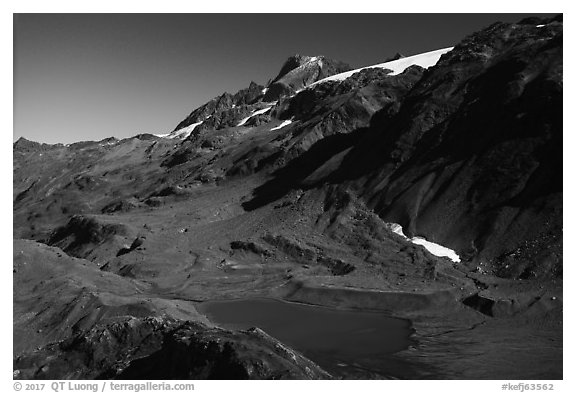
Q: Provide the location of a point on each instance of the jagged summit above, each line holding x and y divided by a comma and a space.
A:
300, 71
297, 72
294, 62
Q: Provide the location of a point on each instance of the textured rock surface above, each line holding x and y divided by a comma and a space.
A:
300, 71
159, 348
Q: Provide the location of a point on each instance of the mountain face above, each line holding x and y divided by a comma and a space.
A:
299, 190
296, 73
472, 159
299, 71
219, 106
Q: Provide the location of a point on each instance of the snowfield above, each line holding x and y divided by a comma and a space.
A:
434, 248
424, 60
182, 133
283, 124
258, 112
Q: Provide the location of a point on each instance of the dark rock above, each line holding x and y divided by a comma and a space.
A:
158, 348
397, 56
250, 247
249, 95
137, 242
120, 206
81, 233
146, 137
480, 304
169, 191
291, 248
223, 102
182, 155
154, 201
337, 267
257, 120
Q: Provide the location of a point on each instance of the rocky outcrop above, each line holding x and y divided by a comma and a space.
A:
123, 205
163, 348
222, 119
300, 71
220, 103
81, 234
239, 245
397, 56
224, 110
257, 120
249, 95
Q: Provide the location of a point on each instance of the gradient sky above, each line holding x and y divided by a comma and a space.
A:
91, 76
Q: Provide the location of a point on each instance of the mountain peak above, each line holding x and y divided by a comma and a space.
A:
21, 140
299, 71
397, 56
25, 144
294, 62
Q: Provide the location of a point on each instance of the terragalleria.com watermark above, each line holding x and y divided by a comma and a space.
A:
105, 386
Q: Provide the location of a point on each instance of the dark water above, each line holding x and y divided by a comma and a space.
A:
343, 342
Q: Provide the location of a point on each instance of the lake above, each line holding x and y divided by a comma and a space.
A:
344, 342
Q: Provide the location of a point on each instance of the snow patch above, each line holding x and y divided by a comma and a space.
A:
182, 133
424, 60
433, 248
397, 228
258, 112
282, 125
436, 249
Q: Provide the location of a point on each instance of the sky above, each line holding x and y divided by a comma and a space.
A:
92, 76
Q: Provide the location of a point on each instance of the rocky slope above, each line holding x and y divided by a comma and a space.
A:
295, 190
472, 157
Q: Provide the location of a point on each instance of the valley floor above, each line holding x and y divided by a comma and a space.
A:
468, 325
